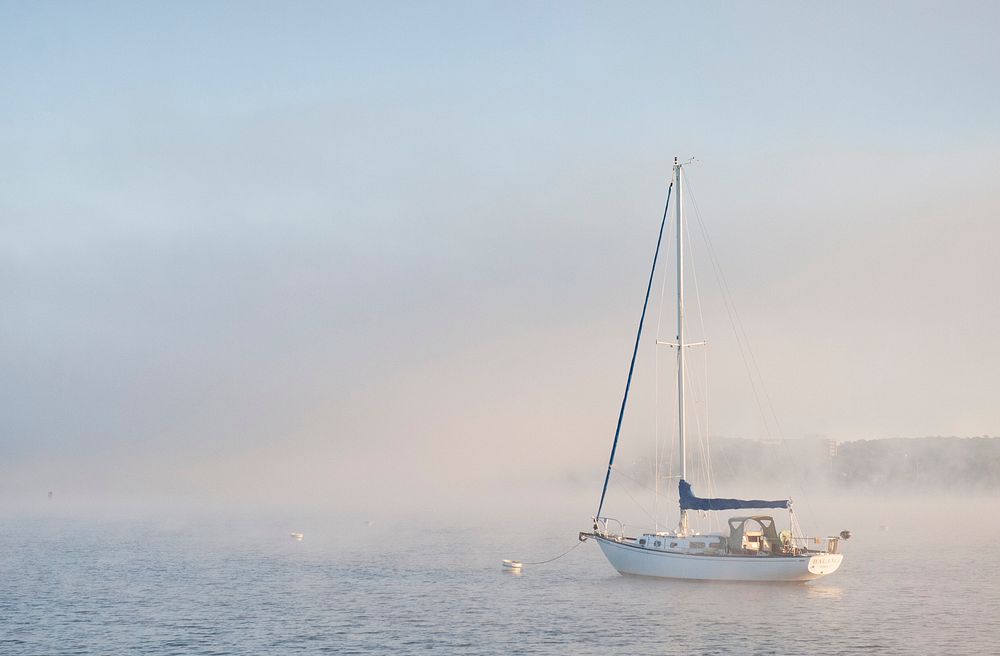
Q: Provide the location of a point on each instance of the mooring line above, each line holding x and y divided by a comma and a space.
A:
542, 562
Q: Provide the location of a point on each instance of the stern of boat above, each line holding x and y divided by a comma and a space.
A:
823, 564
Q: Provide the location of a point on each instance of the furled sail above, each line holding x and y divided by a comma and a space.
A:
690, 502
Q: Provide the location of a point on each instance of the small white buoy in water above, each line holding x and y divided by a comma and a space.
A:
512, 564
298, 536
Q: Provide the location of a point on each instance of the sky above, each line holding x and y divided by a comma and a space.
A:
373, 253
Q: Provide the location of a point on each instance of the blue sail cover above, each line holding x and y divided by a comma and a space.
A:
690, 502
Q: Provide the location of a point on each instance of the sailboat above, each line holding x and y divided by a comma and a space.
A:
753, 549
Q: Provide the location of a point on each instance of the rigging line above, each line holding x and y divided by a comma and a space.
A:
702, 426
706, 441
696, 392
671, 444
742, 341
729, 301
634, 500
708, 418
635, 351
739, 320
637, 482
656, 433
674, 437
656, 390
700, 396
706, 467
702, 438
542, 562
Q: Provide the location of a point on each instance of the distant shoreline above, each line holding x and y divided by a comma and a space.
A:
953, 463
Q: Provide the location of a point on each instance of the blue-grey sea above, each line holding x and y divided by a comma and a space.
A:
79, 585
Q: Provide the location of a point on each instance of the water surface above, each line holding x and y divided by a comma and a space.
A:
76, 586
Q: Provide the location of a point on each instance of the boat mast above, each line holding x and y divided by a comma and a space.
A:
682, 527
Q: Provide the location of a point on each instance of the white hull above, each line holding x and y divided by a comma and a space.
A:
639, 561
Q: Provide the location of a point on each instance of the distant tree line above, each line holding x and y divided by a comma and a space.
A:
940, 463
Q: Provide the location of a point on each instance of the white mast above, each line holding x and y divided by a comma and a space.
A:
682, 527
